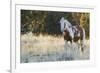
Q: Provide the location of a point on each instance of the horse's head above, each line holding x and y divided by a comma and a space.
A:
64, 24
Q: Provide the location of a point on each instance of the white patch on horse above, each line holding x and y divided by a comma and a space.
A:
76, 30
78, 34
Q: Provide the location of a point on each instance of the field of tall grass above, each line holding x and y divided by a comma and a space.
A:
44, 48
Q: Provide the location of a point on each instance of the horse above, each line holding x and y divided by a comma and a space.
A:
72, 33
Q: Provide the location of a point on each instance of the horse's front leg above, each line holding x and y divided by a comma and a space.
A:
82, 47
72, 42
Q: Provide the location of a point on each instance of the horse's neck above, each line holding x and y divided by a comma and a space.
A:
68, 23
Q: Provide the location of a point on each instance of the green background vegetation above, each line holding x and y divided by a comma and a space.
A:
47, 22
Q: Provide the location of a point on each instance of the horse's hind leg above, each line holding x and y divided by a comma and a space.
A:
83, 40
82, 45
82, 48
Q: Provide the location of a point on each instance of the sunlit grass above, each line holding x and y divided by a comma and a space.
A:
48, 48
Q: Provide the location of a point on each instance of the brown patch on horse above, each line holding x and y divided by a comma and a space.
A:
79, 28
76, 38
67, 36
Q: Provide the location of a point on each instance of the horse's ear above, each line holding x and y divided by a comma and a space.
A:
62, 18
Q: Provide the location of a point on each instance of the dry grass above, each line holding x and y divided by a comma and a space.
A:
49, 48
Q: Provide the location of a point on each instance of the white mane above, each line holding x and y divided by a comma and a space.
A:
65, 24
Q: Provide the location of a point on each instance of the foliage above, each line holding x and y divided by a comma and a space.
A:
47, 22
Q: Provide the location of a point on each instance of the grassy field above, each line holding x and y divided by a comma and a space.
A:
44, 48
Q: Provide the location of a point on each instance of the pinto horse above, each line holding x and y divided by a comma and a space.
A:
72, 33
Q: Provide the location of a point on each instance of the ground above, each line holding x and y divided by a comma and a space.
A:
44, 48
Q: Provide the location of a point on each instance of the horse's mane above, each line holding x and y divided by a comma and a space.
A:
65, 22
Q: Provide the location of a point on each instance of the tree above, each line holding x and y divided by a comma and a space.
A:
47, 22
84, 22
